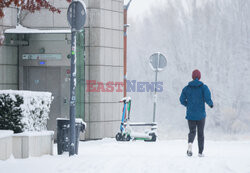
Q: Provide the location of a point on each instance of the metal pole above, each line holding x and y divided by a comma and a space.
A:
155, 95
18, 20
73, 83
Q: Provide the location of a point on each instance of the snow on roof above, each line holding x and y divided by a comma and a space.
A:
23, 30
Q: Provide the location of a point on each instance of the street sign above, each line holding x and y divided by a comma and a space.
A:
41, 56
158, 61
80, 14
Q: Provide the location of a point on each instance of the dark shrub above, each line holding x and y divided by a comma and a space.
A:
11, 113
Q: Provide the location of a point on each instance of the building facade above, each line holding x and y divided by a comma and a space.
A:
103, 45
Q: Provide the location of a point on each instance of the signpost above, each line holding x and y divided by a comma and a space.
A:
76, 16
157, 62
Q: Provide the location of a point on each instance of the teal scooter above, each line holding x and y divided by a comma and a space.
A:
126, 131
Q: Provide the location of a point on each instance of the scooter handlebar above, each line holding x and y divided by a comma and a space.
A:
127, 99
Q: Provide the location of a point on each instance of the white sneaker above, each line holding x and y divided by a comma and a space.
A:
189, 151
201, 155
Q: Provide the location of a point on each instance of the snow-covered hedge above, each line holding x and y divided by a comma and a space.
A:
35, 108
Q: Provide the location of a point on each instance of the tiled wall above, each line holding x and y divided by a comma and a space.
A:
8, 54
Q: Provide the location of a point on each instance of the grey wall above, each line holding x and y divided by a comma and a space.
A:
8, 54
104, 58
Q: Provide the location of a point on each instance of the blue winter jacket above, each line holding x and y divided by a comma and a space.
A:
193, 97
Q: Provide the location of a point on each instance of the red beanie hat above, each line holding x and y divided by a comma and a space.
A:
196, 74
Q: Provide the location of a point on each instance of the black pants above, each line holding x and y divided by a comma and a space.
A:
192, 132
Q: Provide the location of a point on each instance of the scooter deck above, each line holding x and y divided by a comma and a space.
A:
141, 124
138, 135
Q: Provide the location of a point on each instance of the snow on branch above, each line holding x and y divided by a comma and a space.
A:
30, 5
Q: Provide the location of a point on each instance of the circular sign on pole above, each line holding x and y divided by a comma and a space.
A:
80, 11
157, 61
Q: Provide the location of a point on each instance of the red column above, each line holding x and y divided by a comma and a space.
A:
125, 53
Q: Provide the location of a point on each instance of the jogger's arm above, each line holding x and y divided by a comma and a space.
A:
183, 97
207, 96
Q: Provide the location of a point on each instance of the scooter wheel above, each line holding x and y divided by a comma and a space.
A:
128, 138
153, 139
118, 137
123, 137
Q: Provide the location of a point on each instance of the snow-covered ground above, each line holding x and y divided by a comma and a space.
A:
137, 156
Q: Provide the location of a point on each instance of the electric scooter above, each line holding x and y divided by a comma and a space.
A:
126, 132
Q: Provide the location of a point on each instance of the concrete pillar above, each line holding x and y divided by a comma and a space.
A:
104, 49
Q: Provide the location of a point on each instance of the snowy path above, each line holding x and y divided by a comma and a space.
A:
163, 156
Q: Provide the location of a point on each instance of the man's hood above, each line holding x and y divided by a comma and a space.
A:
195, 83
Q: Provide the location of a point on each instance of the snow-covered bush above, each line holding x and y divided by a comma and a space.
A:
34, 109
11, 113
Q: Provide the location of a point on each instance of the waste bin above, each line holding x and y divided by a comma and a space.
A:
63, 134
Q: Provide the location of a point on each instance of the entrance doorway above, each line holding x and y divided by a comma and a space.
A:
47, 79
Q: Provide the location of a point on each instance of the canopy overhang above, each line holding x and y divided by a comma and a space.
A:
23, 30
